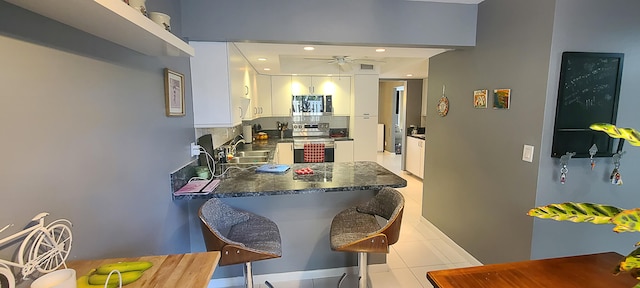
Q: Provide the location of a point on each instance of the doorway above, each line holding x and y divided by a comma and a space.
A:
397, 119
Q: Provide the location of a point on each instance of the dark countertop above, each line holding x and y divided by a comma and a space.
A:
419, 136
327, 177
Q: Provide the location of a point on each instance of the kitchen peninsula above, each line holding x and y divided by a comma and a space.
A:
303, 207
327, 177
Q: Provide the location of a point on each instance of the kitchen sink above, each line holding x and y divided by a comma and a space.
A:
254, 153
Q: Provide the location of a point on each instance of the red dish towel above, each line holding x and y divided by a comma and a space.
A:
313, 153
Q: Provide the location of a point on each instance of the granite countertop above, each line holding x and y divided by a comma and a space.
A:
419, 136
327, 177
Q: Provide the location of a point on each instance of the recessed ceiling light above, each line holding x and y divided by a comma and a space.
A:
262, 59
381, 50
409, 75
309, 48
267, 69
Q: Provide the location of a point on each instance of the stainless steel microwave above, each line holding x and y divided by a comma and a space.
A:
312, 105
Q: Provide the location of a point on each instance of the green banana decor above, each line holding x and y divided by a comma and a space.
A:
97, 278
624, 220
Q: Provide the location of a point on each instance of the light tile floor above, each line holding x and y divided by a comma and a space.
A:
421, 248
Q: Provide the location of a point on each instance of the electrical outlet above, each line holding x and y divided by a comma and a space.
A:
527, 153
195, 149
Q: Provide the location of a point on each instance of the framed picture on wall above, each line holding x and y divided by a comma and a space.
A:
174, 93
480, 98
501, 98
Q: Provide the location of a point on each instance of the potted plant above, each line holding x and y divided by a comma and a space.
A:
625, 220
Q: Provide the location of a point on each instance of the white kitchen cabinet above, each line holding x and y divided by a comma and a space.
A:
263, 99
250, 85
340, 92
281, 95
307, 85
218, 86
365, 100
343, 151
364, 133
284, 153
364, 123
414, 161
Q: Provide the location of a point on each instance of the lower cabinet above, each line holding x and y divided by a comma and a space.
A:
414, 161
284, 153
343, 151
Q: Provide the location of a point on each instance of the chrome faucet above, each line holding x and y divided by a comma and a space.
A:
235, 143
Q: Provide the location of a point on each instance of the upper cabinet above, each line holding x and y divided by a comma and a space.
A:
114, 21
220, 91
262, 106
281, 95
283, 87
365, 96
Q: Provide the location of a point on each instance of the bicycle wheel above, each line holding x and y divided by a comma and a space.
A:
7, 280
52, 247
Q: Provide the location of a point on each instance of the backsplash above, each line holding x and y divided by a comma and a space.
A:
220, 136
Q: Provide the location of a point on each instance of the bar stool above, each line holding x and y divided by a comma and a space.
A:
240, 236
356, 229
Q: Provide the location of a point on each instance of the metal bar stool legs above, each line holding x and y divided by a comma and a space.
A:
356, 229
248, 275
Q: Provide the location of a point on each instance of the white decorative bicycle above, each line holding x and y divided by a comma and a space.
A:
44, 249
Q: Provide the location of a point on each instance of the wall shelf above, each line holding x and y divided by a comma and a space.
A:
114, 21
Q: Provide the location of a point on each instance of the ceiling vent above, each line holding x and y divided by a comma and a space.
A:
366, 66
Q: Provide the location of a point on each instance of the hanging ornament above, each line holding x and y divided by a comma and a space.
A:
592, 152
443, 104
564, 160
616, 177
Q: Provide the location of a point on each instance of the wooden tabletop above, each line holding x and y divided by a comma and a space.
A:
170, 271
593, 271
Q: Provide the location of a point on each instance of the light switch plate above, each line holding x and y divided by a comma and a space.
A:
527, 153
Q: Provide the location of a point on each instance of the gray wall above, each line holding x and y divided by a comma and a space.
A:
85, 137
590, 26
331, 21
477, 189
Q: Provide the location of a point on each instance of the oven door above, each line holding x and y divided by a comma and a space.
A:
298, 155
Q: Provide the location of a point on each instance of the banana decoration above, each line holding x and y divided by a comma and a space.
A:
124, 267
127, 277
83, 282
130, 272
629, 134
576, 212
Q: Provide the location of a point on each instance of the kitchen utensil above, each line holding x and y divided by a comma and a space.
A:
161, 19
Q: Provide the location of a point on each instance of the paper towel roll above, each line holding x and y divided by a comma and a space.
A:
247, 133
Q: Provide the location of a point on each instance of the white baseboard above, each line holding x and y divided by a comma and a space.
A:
468, 257
295, 276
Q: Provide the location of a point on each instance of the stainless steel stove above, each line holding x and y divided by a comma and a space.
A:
311, 133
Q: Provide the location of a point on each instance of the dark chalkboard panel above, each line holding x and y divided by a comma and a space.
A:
588, 93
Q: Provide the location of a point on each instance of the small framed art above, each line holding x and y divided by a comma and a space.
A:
480, 98
174, 93
501, 98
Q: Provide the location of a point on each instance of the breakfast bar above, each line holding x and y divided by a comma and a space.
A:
302, 206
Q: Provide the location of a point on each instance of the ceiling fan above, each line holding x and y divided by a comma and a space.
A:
344, 62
